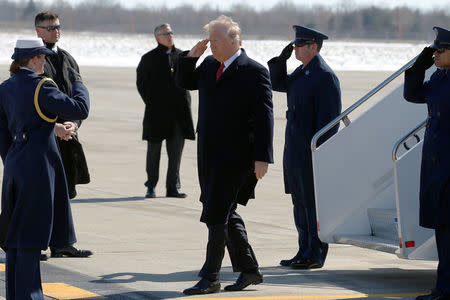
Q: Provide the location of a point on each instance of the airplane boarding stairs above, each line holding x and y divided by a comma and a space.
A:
367, 177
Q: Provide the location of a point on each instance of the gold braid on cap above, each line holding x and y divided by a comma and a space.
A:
36, 100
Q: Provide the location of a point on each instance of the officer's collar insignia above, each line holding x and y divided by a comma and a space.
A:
307, 72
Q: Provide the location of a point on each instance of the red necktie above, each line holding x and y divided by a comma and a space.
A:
220, 71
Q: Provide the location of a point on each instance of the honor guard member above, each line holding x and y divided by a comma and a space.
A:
313, 100
435, 169
33, 175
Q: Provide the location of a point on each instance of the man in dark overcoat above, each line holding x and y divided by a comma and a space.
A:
235, 134
435, 170
167, 111
313, 100
57, 67
48, 28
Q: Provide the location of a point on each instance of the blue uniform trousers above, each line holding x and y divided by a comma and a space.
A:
23, 274
234, 236
306, 223
443, 247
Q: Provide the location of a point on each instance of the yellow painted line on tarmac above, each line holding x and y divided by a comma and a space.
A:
2, 267
65, 291
351, 296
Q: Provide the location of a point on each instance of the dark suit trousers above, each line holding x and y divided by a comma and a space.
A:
306, 223
174, 146
23, 274
443, 248
234, 236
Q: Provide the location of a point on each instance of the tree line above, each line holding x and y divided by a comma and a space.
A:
344, 21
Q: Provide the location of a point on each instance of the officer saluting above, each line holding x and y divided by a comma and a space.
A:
435, 170
313, 99
33, 172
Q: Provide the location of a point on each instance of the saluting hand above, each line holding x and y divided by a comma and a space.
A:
199, 48
287, 52
261, 169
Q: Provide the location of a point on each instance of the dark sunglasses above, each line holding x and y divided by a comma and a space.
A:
51, 28
166, 33
442, 50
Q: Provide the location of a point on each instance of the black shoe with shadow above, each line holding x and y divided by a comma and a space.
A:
175, 194
288, 262
204, 286
69, 251
244, 280
150, 193
43, 257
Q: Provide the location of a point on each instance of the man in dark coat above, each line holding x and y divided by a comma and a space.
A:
314, 99
235, 134
56, 67
435, 169
49, 29
167, 111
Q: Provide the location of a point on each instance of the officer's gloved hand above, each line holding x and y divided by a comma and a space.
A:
74, 75
424, 60
287, 52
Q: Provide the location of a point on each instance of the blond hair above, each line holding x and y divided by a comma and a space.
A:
232, 28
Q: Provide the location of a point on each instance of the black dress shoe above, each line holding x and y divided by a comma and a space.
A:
204, 286
175, 194
244, 280
43, 257
150, 193
69, 251
288, 262
306, 264
435, 295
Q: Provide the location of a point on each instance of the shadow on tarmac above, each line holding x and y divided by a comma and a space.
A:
374, 280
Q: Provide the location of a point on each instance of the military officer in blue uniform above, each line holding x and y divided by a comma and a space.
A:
313, 100
33, 172
435, 169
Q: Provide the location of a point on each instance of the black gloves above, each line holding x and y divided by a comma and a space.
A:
424, 60
286, 53
74, 75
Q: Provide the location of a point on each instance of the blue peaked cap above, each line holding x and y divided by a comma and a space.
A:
442, 39
303, 34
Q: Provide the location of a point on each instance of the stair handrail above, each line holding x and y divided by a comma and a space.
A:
344, 116
406, 137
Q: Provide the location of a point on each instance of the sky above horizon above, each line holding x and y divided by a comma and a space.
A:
266, 4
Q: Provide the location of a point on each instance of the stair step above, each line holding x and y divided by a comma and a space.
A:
383, 223
369, 242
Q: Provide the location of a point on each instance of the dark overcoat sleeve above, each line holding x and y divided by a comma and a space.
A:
278, 74
5, 135
188, 75
262, 108
328, 105
143, 77
56, 103
414, 89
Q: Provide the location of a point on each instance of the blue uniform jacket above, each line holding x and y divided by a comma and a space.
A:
235, 128
313, 100
33, 173
435, 169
